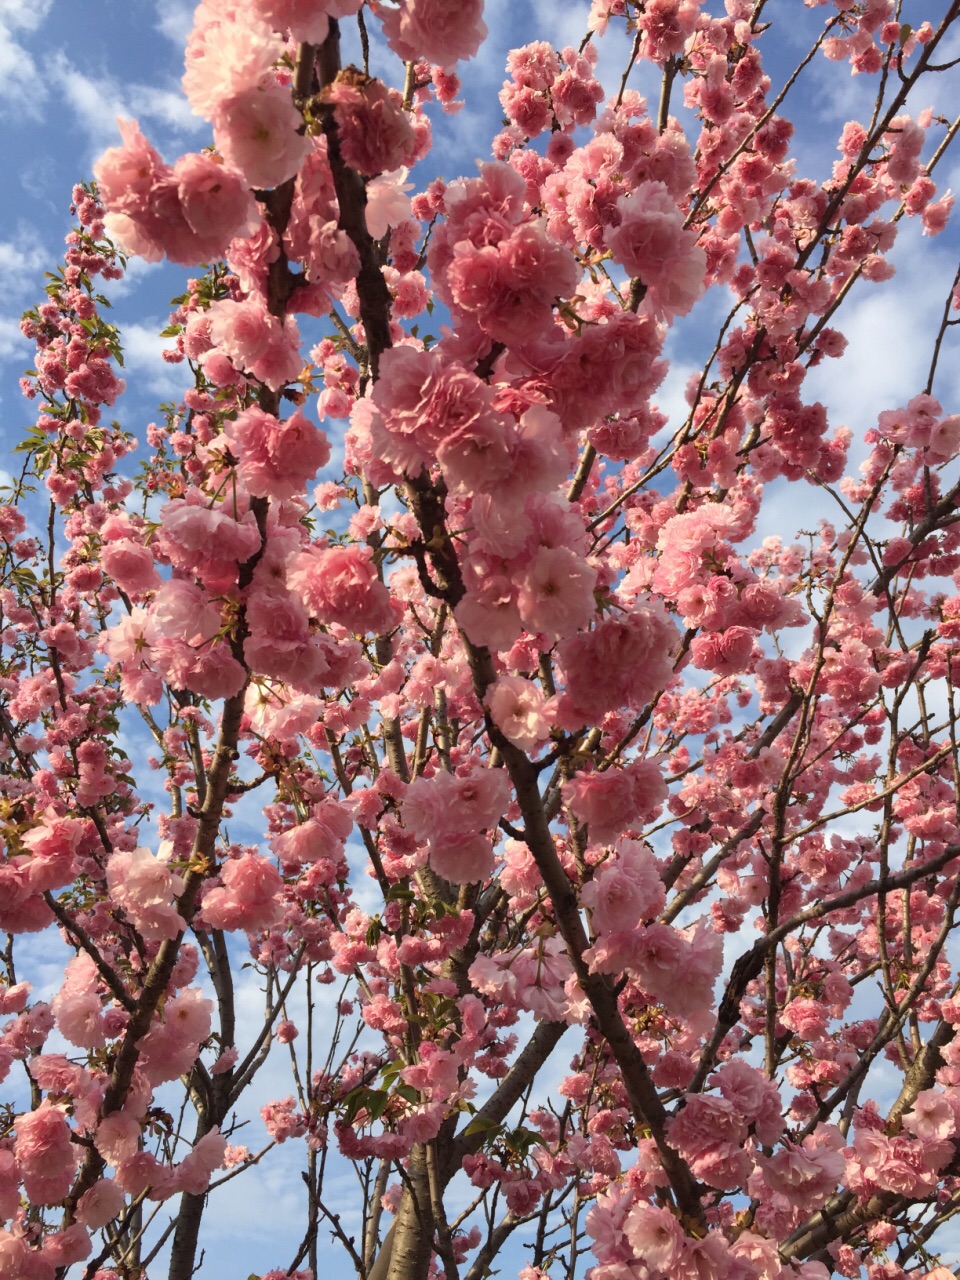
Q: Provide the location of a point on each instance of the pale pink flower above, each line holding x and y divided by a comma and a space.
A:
945, 439
488, 613
611, 801
556, 593
228, 51
144, 887
652, 245
726, 652
195, 1170
16, 1257
707, 1258
283, 1120
77, 1006
932, 1116
216, 205
375, 133
806, 1175
806, 1016
463, 859
117, 1137
183, 611
441, 31
276, 459
45, 1154
191, 533
387, 202
754, 1095
517, 707
255, 341
250, 895
130, 565
655, 1236
626, 890
100, 1204
340, 584
624, 661
126, 175
306, 20
477, 458
443, 805
259, 133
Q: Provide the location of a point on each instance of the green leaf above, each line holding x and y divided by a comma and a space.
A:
481, 1124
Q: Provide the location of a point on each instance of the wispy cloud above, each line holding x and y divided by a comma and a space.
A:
22, 260
144, 363
21, 86
97, 102
175, 20
13, 345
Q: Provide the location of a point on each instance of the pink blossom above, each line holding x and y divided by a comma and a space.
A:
726, 652
259, 133
276, 459
388, 205
192, 535
100, 1204
306, 20
144, 887
434, 808
808, 1174
614, 800
215, 203
130, 565
340, 584
170, 1047
755, 1096
556, 593
127, 174
442, 31
651, 243
282, 1120
255, 341
709, 1132
374, 131
624, 661
932, 1117
207, 1156
463, 859
655, 1236
250, 895
517, 708
229, 51
626, 890
806, 1016
45, 1154
77, 1007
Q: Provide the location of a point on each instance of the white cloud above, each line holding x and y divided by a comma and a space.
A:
13, 345
560, 24
21, 85
143, 361
23, 258
98, 102
20, 82
175, 20
24, 15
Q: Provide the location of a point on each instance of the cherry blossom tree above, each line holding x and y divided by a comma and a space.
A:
593, 853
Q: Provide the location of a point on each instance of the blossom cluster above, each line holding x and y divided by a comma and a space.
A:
485, 707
